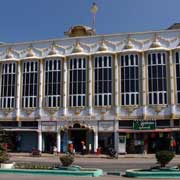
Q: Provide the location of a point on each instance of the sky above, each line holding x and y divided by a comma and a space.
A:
28, 20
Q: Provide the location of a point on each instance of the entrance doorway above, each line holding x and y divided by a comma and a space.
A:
49, 141
76, 136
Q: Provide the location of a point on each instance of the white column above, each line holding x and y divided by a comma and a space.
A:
172, 90
144, 95
172, 83
58, 142
116, 96
65, 86
40, 141
90, 75
40, 87
18, 98
95, 140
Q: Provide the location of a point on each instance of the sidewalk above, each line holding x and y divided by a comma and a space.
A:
91, 155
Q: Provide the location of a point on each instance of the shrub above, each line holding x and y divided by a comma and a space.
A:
66, 160
4, 157
164, 157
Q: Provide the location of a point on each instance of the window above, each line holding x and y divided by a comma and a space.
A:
157, 78
30, 84
177, 61
129, 79
8, 85
52, 83
77, 82
103, 80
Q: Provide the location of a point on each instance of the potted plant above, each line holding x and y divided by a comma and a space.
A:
4, 156
164, 157
66, 160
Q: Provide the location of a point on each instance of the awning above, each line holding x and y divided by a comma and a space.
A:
21, 129
144, 131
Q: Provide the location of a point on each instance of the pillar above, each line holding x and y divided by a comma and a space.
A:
65, 86
41, 86
40, 141
95, 140
116, 98
18, 98
171, 82
144, 79
90, 75
116, 136
58, 141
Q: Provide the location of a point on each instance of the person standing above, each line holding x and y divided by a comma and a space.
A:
83, 148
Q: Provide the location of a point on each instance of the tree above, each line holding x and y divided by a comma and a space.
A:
164, 157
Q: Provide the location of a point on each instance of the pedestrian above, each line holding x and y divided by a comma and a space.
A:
83, 148
172, 144
55, 150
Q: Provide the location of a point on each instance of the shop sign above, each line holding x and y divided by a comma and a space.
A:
144, 125
49, 126
106, 126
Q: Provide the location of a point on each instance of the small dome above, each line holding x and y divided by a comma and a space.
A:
155, 43
80, 30
77, 48
52, 51
30, 52
129, 44
102, 47
9, 54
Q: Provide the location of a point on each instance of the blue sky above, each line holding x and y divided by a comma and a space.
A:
26, 20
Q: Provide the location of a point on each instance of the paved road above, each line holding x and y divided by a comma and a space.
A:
112, 165
120, 164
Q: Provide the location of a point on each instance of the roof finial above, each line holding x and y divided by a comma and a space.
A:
94, 9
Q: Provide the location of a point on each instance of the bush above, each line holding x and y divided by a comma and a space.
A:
164, 157
4, 157
66, 160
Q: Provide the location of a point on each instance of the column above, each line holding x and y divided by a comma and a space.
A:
116, 136
41, 87
18, 98
40, 141
90, 87
65, 86
116, 96
143, 95
95, 140
171, 81
58, 141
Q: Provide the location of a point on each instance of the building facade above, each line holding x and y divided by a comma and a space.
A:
119, 90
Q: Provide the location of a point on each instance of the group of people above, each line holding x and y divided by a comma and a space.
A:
83, 148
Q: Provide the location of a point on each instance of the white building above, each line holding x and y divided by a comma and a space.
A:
120, 90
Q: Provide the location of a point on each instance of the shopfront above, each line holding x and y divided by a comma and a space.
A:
105, 135
148, 136
49, 136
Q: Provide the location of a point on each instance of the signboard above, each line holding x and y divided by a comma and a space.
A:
48, 126
107, 126
144, 125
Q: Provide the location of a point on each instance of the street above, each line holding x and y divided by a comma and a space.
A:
108, 165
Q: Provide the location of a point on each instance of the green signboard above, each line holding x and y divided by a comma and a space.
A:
144, 125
